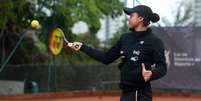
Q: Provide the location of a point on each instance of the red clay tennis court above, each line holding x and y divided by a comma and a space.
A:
94, 96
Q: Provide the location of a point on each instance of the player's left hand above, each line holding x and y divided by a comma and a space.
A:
146, 73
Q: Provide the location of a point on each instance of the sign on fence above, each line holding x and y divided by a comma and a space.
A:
183, 58
11, 87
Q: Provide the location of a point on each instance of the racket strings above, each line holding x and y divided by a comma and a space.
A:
56, 41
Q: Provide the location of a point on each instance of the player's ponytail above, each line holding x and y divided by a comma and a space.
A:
155, 17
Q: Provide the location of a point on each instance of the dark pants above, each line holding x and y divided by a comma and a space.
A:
137, 95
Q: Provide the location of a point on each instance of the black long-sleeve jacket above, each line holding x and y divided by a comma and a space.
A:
134, 48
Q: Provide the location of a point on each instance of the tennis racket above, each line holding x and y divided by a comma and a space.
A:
57, 40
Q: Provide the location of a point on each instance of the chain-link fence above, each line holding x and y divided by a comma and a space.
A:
56, 78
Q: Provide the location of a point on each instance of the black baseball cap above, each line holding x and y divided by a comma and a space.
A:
144, 11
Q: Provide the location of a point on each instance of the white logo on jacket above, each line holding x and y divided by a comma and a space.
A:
122, 52
135, 58
141, 42
136, 54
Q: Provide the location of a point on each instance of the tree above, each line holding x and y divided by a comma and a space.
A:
12, 23
183, 16
16, 16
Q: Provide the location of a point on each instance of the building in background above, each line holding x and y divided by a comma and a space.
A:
197, 12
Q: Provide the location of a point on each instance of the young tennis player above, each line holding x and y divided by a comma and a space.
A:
142, 55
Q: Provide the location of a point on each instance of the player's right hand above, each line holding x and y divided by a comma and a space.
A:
75, 45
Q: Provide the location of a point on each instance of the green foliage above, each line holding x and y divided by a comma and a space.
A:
16, 15
11, 26
15, 18
110, 7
